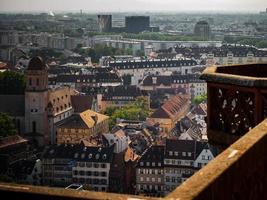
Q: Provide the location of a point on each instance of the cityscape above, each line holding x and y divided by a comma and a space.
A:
136, 103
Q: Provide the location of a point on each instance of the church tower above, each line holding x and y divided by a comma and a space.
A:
36, 100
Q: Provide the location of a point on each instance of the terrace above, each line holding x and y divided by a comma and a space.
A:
237, 107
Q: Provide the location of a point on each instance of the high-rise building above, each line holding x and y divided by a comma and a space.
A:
136, 24
202, 30
105, 23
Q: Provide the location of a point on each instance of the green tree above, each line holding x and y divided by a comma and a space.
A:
138, 110
198, 99
12, 83
7, 127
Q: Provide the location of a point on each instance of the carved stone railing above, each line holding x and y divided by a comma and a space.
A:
237, 101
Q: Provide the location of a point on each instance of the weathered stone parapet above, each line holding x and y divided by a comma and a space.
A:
239, 172
237, 101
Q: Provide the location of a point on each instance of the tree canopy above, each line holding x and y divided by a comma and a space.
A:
102, 50
12, 83
138, 110
7, 127
198, 99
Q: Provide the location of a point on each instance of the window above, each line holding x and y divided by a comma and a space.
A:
141, 164
37, 81
34, 126
170, 153
203, 157
153, 179
96, 165
88, 164
82, 164
81, 180
89, 173
30, 81
81, 173
103, 174
96, 173
103, 165
167, 179
141, 179
183, 153
147, 178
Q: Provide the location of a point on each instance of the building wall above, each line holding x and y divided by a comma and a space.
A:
96, 175
150, 180
166, 125
75, 135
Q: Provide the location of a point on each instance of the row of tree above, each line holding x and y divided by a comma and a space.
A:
139, 110
102, 50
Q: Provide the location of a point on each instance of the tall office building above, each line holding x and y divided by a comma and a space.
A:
202, 30
137, 24
105, 23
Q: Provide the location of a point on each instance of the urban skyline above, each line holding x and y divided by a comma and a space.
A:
133, 6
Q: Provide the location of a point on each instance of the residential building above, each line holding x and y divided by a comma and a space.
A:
12, 149
180, 84
81, 126
182, 159
26, 171
66, 164
138, 69
169, 113
150, 172
119, 139
93, 165
119, 96
81, 103
225, 54
86, 80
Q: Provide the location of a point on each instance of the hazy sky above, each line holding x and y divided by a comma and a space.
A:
134, 5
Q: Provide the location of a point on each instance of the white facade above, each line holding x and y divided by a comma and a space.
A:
198, 88
139, 73
36, 174
96, 175
121, 143
203, 158
231, 59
